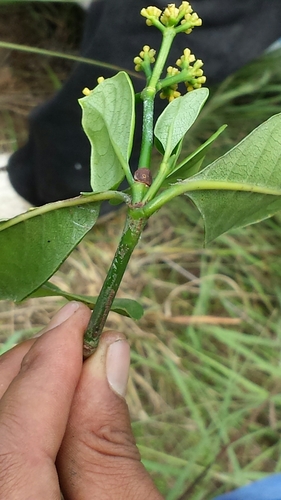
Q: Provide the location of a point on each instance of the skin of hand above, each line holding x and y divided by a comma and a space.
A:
64, 424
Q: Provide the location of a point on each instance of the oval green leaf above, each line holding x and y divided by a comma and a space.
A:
34, 245
109, 120
178, 117
243, 186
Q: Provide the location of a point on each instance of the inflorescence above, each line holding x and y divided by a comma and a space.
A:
188, 70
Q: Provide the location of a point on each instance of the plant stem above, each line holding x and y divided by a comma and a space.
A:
193, 185
157, 183
129, 239
147, 127
148, 96
135, 219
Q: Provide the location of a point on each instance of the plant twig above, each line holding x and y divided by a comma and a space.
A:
130, 237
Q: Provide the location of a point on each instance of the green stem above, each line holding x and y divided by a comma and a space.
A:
202, 185
147, 127
130, 237
84, 199
168, 37
148, 96
157, 183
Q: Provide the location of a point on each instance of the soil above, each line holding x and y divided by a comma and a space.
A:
28, 79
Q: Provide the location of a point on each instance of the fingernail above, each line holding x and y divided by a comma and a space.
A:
62, 315
118, 365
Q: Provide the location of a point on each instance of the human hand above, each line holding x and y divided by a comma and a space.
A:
65, 425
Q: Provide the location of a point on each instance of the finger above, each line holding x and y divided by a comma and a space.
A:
35, 408
10, 364
98, 458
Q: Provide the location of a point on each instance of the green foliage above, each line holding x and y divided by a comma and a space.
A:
35, 244
243, 186
178, 117
192, 163
108, 120
125, 307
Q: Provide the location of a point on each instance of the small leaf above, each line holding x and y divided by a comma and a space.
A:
125, 307
192, 163
243, 186
178, 117
109, 120
34, 244
128, 307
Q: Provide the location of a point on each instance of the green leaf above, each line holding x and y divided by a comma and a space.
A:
178, 117
192, 163
109, 120
34, 244
243, 186
125, 307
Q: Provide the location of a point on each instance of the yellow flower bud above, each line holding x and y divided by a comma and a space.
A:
170, 15
185, 7
86, 91
150, 13
171, 71
198, 64
201, 79
145, 56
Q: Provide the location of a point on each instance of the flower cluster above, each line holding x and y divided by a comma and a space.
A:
196, 77
145, 58
190, 73
182, 18
171, 91
151, 13
186, 59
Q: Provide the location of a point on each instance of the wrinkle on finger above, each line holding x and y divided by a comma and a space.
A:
10, 364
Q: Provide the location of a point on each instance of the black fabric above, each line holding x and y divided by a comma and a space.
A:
54, 164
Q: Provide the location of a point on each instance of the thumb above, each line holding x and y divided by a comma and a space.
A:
98, 458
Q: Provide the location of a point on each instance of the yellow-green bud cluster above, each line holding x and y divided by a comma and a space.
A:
185, 59
171, 92
196, 78
146, 56
173, 16
151, 13
170, 16
190, 21
191, 75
